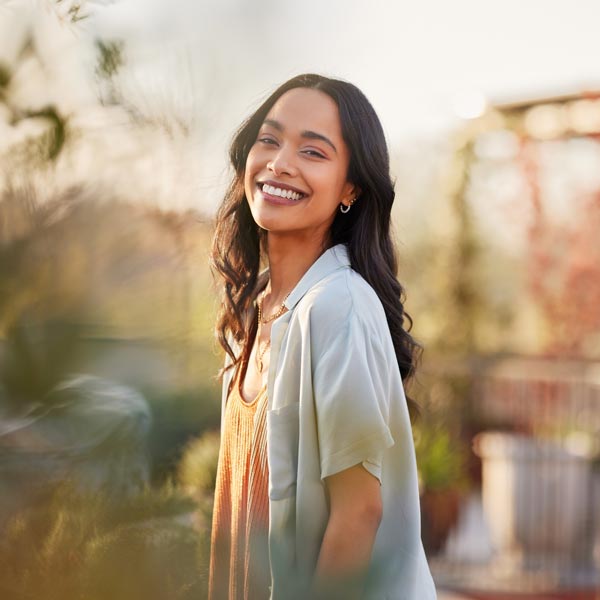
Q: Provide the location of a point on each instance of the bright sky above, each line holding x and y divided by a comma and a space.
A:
411, 58
211, 62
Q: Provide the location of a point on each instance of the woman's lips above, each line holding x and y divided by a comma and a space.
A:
278, 199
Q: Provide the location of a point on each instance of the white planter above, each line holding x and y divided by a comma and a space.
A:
537, 498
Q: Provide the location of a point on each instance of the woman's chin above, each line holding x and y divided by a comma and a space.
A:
266, 218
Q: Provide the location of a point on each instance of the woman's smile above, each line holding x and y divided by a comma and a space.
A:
279, 193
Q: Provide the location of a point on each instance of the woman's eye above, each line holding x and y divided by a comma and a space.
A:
314, 153
267, 140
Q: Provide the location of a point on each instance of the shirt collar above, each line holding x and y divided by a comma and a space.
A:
331, 260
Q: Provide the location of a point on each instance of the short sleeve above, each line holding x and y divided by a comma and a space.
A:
351, 397
373, 465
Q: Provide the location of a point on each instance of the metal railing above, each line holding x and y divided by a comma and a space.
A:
532, 526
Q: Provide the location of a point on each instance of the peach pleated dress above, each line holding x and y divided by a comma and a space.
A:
239, 559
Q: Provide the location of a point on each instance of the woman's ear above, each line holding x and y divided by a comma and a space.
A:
351, 193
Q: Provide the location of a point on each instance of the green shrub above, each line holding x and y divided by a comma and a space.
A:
88, 546
441, 459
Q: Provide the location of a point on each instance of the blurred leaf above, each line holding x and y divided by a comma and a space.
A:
4, 75
441, 459
110, 57
37, 355
197, 469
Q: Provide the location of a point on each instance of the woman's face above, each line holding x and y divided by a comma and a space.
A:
295, 175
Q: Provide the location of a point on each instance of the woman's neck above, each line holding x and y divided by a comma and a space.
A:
288, 261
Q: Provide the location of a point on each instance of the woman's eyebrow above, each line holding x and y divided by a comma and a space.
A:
311, 135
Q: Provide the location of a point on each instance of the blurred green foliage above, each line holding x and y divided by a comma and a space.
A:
441, 457
4, 75
81, 279
197, 470
196, 474
110, 57
76, 546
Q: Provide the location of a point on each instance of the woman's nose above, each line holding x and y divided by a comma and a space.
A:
282, 162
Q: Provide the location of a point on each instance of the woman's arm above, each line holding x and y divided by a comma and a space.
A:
355, 514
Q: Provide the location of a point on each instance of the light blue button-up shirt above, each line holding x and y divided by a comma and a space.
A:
335, 399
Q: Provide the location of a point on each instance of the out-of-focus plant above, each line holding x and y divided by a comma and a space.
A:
90, 546
77, 266
558, 257
442, 466
70, 10
441, 458
442, 452
45, 120
46, 123
196, 474
60, 261
564, 271
37, 356
92, 259
197, 470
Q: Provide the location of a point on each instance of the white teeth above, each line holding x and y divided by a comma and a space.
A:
274, 191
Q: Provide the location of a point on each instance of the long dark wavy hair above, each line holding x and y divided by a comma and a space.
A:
238, 243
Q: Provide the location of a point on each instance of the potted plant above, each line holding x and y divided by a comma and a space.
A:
441, 462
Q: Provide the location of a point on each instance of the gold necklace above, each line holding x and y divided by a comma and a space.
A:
260, 353
279, 312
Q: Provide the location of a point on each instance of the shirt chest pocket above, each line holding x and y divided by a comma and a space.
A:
282, 450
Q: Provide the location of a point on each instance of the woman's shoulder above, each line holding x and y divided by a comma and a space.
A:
340, 297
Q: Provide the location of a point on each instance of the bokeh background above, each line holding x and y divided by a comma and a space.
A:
115, 117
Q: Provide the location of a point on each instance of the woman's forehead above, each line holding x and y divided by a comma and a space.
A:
302, 109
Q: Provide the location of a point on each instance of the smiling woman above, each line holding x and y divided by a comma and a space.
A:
316, 493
